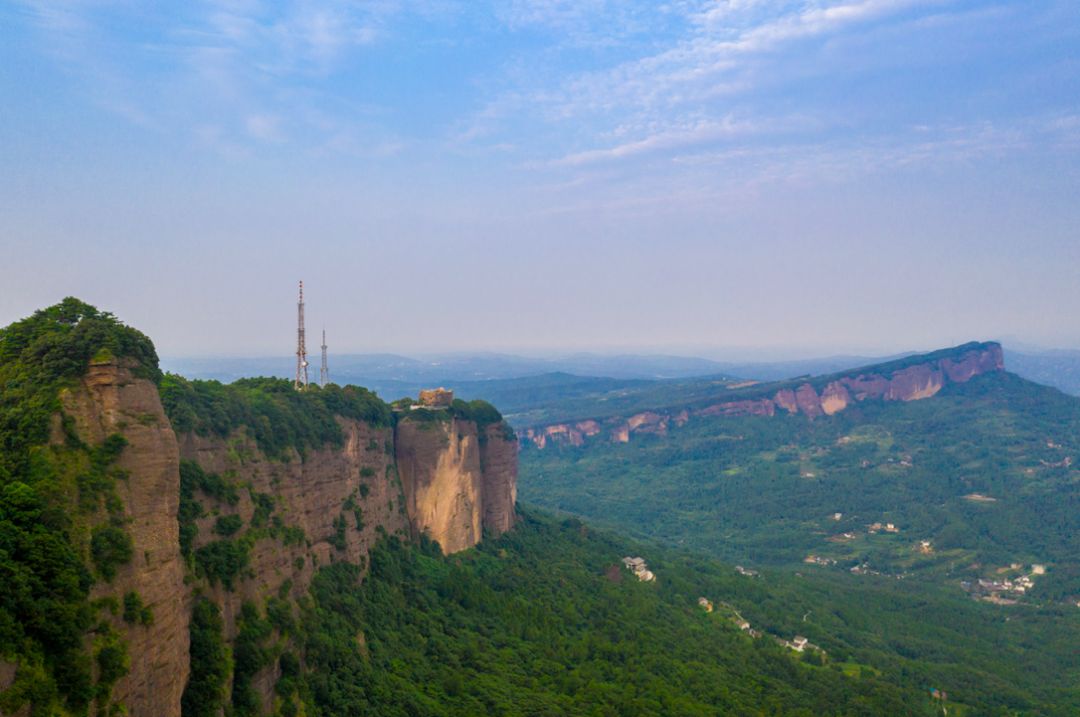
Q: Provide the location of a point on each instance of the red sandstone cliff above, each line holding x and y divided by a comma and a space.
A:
309, 493
457, 483
107, 401
908, 380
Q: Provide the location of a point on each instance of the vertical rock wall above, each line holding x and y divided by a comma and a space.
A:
110, 400
309, 493
499, 463
456, 484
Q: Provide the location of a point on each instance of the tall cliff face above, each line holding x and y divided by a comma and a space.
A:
108, 401
353, 485
458, 481
908, 380
440, 478
499, 463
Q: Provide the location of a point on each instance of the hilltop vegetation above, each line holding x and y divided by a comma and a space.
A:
61, 525
274, 413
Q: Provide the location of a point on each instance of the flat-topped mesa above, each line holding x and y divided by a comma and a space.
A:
909, 379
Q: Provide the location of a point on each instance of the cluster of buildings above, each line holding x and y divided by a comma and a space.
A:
1004, 591
881, 528
746, 571
638, 567
818, 560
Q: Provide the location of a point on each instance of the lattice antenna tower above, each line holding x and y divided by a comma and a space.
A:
301, 348
324, 372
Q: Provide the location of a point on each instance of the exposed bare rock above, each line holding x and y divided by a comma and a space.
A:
110, 400
762, 407
308, 493
440, 470
915, 383
499, 463
973, 363
864, 387
911, 382
566, 433
785, 399
808, 401
456, 484
835, 398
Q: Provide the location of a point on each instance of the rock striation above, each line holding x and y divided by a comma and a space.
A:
458, 481
910, 379
309, 493
107, 401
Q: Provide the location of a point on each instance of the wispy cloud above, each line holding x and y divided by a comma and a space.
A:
226, 73
672, 138
712, 59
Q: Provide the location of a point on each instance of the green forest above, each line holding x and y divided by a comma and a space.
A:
546, 621
984, 472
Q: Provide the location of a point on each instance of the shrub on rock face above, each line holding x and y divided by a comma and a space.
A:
45, 576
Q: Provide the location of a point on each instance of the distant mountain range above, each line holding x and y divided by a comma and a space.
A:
519, 383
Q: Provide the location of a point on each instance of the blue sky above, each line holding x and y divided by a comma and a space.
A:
820, 176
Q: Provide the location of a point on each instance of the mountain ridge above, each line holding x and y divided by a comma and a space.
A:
908, 378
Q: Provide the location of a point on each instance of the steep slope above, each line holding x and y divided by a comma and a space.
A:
266, 510
110, 401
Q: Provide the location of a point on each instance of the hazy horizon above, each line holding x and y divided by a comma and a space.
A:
837, 176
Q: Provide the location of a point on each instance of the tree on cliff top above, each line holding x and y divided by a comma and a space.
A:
44, 578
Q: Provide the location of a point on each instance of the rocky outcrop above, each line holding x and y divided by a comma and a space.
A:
110, 400
762, 407
908, 380
456, 481
439, 462
573, 434
835, 398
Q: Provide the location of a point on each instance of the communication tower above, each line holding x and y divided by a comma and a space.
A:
301, 349
324, 372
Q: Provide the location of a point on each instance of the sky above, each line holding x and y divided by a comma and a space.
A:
709, 177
